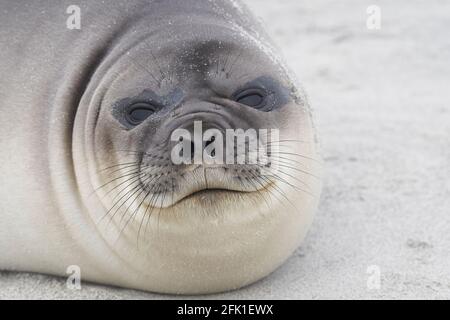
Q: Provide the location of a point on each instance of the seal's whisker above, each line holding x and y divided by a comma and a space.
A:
150, 206
153, 201
283, 152
136, 153
134, 172
124, 167
282, 160
128, 194
227, 57
134, 179
267, 185
133, 167
276, 188
143, 217
256, 179
126, 187
158, 65
163, 75
285, 160
297, 161
271, 191
281, 179
299, 155
142, 191
117, 165
125, 174
282, 165
143, 67
158, 214
151, 179
135, 212
230, 71
291, 176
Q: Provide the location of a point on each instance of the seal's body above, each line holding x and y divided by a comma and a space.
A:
85, 160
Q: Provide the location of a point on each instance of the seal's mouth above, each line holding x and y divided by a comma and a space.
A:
168, 187
209, 194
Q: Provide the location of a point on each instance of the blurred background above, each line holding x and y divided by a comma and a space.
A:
381, 99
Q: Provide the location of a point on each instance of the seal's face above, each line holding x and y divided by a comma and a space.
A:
166, 218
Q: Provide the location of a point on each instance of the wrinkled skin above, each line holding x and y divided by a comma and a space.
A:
85, 186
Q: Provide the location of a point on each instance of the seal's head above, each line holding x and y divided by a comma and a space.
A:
201, 224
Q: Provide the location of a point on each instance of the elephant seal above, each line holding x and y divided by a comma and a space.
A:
86, 127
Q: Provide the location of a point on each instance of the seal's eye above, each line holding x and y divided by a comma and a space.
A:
140, 111
251, 97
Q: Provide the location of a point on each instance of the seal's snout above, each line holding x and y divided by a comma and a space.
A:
203, 150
